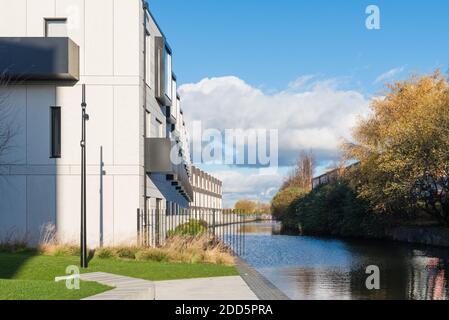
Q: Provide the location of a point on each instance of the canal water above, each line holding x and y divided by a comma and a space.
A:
311, 268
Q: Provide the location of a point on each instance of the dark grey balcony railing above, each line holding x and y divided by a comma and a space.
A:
157, 160
39, 59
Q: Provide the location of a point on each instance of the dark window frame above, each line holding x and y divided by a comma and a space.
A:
46, 20
148, 53
55, 132
168, 72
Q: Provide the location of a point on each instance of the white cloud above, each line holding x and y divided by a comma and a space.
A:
312, 116
248, 184
302, 81
246, 181
309, 114
389, 74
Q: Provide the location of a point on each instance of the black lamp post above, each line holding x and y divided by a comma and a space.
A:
84, 118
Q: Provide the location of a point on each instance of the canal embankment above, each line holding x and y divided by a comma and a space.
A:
432, 236
337, 210
429, 236
261, 286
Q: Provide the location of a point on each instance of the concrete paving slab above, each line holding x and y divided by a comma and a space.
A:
127, 288
219, 288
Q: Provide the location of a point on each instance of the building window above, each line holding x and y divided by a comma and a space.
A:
168, 73
174, 88
147, 57
147, 124
160, 129
178, 109
55, 132
56, 27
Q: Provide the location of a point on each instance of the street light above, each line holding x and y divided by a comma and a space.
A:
84, 118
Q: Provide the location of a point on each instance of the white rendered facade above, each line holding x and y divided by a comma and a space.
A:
119, 64
207, 190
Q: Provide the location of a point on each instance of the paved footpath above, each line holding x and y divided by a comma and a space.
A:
126, 288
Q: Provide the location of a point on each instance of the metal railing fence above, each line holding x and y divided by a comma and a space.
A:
156, 226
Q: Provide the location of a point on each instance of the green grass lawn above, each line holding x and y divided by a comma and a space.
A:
29, 276
46, 290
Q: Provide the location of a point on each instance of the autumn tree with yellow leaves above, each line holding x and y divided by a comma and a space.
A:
403, 148
246, 206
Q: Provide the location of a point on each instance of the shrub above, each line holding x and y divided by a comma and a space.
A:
15, 247
69, 250
58, 250
104, 253
152, 254
219, 256
14, 242
49, 244
282, 201
335, 209
191, 228
189, 244
125, 252
196, 249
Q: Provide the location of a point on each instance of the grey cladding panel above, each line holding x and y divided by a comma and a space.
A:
157, 155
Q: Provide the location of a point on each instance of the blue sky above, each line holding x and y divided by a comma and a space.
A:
305, 68
269, 43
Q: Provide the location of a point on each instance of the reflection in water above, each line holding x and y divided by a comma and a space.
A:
322, 268
429, 282
262, 228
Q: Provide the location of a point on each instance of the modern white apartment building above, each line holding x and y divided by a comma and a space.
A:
48, 49
207, 190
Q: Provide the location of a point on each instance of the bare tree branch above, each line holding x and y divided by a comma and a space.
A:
8, 129
302, 174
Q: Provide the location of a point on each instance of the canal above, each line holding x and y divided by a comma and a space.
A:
310, 268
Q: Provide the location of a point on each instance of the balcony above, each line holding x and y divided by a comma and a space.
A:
34, 59
157, 160
157, 155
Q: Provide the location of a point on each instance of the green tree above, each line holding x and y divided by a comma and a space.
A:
335, 209
282, 201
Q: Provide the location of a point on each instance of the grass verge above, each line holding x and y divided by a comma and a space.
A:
27, 276
47, 290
